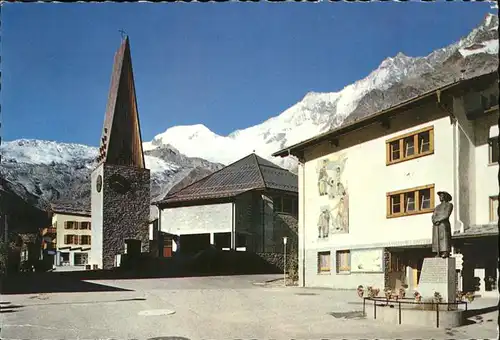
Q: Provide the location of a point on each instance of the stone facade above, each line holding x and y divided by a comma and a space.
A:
284, 225
124, 212
274, 259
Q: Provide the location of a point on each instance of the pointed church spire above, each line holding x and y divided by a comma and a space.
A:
121, 142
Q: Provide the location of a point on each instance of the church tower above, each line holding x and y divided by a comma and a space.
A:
120, 182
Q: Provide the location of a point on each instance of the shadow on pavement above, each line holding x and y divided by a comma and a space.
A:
4, 309
473, 316
49, 282
206, 263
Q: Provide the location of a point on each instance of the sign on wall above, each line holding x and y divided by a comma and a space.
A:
367, 260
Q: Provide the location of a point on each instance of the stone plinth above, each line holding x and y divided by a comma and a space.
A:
438, 275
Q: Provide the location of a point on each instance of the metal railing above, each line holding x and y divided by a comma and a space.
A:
409, 301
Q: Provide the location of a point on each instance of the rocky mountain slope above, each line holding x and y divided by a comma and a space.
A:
60, 172
396, 79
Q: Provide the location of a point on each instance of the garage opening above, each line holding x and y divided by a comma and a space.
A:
222, 241
191, 244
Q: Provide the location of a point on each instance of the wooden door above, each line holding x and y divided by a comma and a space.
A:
167, 247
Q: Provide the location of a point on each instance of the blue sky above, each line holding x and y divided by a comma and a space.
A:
227, 66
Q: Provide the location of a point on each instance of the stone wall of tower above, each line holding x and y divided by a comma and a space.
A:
125, 215
96, 221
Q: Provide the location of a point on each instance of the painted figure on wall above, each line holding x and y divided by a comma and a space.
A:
441, 228
322, 178
341, 221
333, 192
324, 222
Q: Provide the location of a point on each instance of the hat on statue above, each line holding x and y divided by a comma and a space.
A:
447, 196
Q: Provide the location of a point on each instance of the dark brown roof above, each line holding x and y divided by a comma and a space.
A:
384, 114
70, 209
478, 230
249, 173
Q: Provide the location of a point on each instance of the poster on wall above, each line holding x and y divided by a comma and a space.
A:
367, 260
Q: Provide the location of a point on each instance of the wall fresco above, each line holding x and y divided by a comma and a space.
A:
333, 196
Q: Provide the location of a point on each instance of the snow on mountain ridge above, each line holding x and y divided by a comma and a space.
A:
316, 112
41, 152
60, 171
45, 152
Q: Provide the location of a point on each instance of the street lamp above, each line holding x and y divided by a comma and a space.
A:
284, 257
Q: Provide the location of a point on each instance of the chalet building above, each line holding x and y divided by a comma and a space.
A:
249, 206
367, 191
67, 241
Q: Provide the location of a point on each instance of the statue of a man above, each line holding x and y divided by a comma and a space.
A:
441, 228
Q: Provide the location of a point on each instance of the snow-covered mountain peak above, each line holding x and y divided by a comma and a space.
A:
45, 152
490, 21
186, 131
316, 112
51, 168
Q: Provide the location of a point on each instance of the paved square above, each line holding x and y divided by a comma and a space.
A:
230, 307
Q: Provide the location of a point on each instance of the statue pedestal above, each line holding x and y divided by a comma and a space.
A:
438, 275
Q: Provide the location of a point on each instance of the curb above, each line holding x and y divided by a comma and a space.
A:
266, 282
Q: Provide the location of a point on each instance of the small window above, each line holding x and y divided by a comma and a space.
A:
85, 239
69, 239
494, 209
425, 199
324, 262
410, 201
84, 226
424, 142
493, 146
411, 145
395, 204
394, 151
287, 205
277, 204
69, 225
343, 261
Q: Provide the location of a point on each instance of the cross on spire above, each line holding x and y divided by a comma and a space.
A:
123, 33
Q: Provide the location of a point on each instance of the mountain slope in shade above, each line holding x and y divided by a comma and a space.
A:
60, 172
396, 79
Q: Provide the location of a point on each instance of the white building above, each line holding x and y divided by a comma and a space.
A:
248, 205
368, 188
68, 239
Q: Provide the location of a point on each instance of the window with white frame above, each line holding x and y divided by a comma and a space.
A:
343, 261
324, 262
